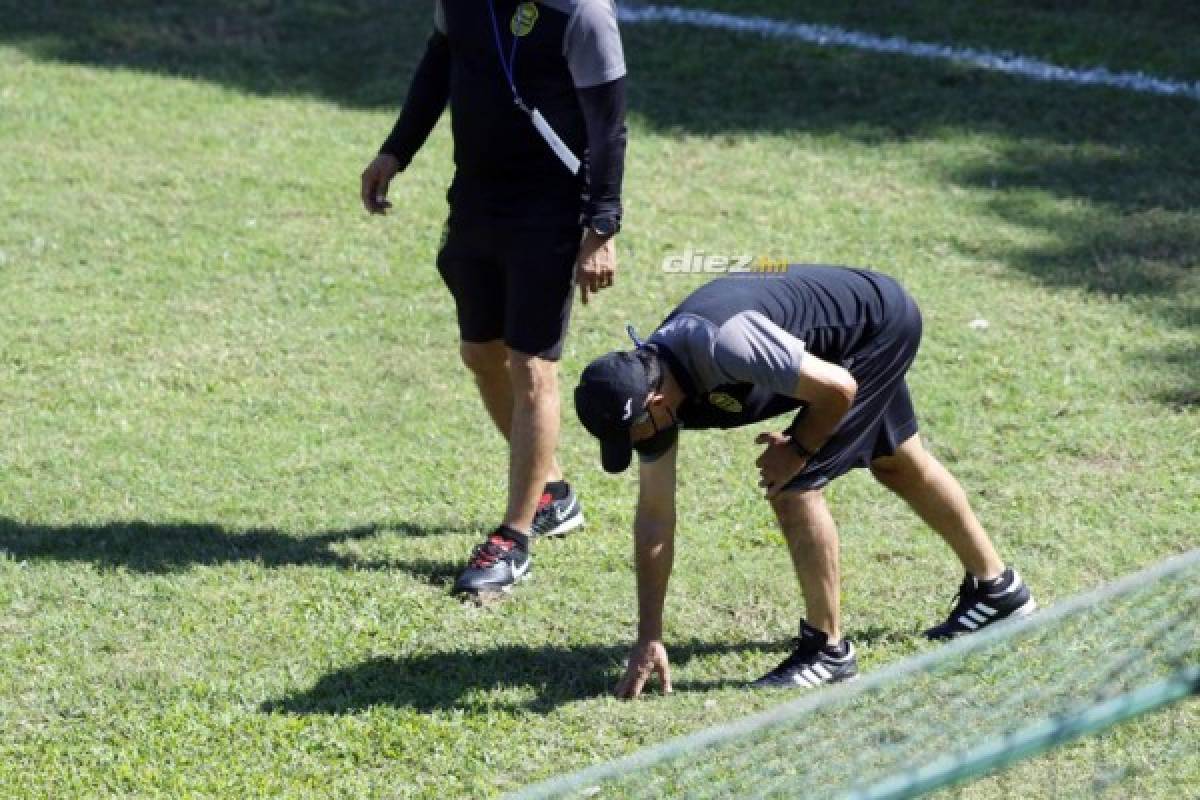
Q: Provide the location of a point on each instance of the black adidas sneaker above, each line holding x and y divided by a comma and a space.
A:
558, 512
813, 663
981, 603
497, 564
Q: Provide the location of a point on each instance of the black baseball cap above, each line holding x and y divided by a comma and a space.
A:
610, 397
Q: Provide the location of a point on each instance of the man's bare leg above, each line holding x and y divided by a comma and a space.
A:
533, 435
938, 498
812, 540
489, 363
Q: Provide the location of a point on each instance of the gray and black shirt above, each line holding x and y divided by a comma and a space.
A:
736, 344
569, 64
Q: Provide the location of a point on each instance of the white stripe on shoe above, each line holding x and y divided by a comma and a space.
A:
571, 524
1016, 584
1027, 609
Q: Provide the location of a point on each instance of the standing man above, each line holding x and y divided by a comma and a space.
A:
834, 343
533, 88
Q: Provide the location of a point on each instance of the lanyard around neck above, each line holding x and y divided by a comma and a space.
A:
569, 159
507, 64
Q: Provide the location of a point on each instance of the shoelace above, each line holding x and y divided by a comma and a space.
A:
545, 506
961, 602
495, 548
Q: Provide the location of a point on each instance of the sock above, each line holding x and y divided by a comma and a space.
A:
808, 631
514, 535
999, 582
557, 489
836, 650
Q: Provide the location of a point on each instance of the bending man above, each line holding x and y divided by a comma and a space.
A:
833, 344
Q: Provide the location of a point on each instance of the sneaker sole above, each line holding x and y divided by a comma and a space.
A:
505, 589
1025, 610
564, 527
792, 687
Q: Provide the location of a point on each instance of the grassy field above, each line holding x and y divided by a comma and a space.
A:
240, 464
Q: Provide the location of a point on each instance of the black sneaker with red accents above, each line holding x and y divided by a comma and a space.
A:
982, 603
497, 564
558, 512
813, 663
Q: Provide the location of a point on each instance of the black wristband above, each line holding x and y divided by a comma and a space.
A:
605, 225
804, 452
794, 441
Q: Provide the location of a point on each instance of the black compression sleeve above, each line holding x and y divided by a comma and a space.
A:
604, 113
427, 96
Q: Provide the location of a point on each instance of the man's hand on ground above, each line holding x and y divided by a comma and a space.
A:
596, 265
779, 463
375, 180
645, 660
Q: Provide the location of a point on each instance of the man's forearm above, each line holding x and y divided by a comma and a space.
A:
828, 391
819, 423
427, 97
604, 114
654, 546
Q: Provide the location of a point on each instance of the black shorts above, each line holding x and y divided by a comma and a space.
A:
511, 281
882, 416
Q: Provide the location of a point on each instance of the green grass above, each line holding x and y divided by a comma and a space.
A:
1150, 36
240, 464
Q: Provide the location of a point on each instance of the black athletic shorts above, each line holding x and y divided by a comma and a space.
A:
882, 416
511, 281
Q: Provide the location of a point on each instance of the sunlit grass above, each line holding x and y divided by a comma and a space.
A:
241, 463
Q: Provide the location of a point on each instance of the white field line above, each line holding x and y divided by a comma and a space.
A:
833, 36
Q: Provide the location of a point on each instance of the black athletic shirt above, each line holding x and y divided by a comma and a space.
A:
736, 344
569, 65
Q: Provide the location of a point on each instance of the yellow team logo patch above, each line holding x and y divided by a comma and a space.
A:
724, 402
523, 19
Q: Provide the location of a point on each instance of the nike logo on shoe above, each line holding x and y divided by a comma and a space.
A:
558, 517
562, 513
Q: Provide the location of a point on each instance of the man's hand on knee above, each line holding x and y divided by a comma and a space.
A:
779, 462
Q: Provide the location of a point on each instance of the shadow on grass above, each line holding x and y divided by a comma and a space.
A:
360, 53
1127, 165
1185, 361
463, 680
167, 547
356, 53
1102, 185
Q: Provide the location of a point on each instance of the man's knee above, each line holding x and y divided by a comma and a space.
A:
533, 377
484, 358
902, 469
798, 507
